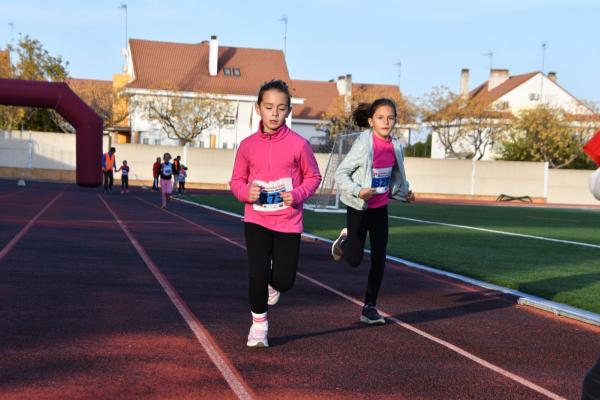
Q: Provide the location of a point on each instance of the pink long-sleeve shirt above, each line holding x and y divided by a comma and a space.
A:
276, 157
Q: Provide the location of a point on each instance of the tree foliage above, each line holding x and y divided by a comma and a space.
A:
33, 62
549, 134
338, 119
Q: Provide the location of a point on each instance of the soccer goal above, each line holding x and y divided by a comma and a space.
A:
327, 198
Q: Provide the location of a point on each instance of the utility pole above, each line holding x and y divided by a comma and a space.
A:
544, 45
11, 25
123, 6
490, 54
284, 19
399, 65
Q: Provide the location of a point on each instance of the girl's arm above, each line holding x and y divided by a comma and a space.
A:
343, 174
239, 178
311, 177
120, 168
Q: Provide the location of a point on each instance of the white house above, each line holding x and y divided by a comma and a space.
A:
204, 69
512, 94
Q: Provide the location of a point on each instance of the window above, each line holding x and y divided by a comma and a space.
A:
227, 71
503, 105
236, 72
145, 141
534, 96
229, 121
156, 141
225, 145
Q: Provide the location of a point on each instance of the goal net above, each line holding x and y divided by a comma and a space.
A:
327, 198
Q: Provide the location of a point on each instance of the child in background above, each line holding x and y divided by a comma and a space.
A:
166, 184
155, 174
275, 171
182, 176
371, 173
124, 177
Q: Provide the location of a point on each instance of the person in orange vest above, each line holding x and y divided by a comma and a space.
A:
108, 166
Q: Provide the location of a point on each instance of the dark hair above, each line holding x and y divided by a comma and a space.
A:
113, 149
364, 111
275, 84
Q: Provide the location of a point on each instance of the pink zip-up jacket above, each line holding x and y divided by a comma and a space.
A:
269, 157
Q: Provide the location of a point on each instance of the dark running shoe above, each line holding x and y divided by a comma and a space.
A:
371, 316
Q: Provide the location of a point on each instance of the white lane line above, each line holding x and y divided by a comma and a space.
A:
219, 359
9, 246
422, 221
400, 323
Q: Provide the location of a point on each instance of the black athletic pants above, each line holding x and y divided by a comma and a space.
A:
124, 182
108, 179
373, 221
591, 383
264, 245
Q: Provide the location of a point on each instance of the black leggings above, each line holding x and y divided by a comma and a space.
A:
375, 222
124, 182
108, 179
263, 246
591, 383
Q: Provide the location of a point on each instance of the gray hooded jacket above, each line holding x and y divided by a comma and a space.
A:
355, 172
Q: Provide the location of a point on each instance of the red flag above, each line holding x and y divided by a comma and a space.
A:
592, 148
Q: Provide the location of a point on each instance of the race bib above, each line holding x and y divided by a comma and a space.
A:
270, 194
167, 169
381, 179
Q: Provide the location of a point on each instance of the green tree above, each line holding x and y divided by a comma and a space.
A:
33, 62
549, 134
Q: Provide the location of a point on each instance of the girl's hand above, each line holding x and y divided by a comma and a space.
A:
367, 193
253, 193
287, 198
410, 197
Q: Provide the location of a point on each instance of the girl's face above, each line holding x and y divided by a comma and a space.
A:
383, 121
167, 158
273, 109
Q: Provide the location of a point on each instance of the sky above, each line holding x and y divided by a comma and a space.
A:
432, 39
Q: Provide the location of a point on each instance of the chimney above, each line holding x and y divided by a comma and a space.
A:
213, 56
344, 87
552, 76
497, 77
464, 83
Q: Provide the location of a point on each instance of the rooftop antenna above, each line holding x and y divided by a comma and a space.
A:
284, 19
544, 46
11, 25
490, 54
399, 65
123, 6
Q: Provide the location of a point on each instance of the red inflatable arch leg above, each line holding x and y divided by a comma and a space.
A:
58, 96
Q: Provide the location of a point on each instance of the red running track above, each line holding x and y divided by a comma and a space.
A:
108, 296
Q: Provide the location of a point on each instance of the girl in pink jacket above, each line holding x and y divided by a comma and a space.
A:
275, 171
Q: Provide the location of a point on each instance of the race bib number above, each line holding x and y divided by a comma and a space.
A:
270, 194
381, 179
167, 169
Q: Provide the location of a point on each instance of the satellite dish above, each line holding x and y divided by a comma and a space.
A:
595, 184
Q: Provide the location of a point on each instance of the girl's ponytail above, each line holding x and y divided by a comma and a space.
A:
361, 115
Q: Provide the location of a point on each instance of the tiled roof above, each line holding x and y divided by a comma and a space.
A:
5, 66
320, 96
481, 91
180, 66
87, 89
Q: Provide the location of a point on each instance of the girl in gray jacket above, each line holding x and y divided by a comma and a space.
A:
371, 173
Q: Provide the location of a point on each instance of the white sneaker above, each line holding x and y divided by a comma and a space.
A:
273, 296
257, 337
336, 248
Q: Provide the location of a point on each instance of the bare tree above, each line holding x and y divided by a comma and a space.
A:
185, 118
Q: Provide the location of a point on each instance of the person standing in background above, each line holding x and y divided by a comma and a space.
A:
155, 173
176, 169
108, 166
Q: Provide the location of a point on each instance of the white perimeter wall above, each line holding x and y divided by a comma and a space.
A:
453, 177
